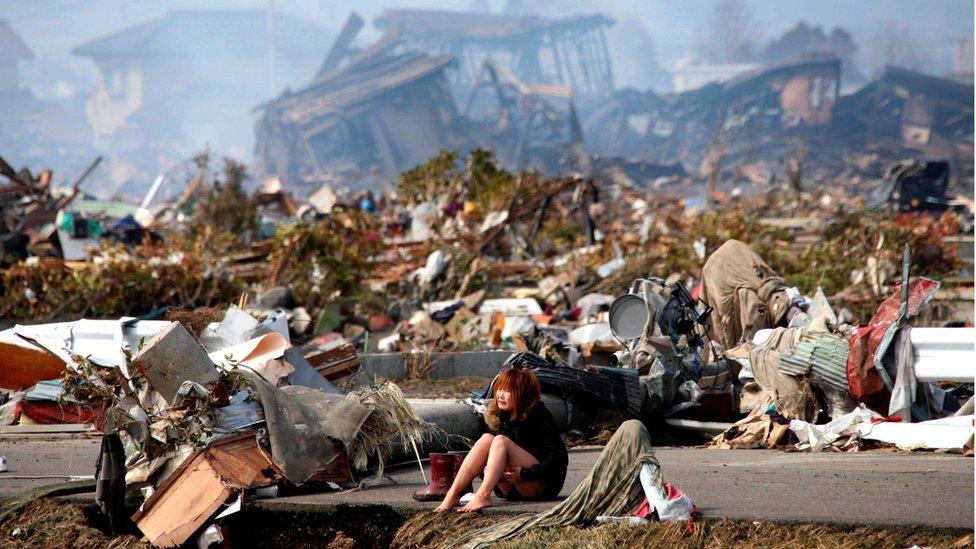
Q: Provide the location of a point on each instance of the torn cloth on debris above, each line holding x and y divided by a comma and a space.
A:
792, 395
746, 293
110, 480
304, 425
300, 446
612, 488
865, 370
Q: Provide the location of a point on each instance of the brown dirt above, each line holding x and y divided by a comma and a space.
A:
48, 523
432, 530
367, 527
453, 387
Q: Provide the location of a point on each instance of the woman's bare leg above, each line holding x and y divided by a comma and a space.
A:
471, 467
503, 453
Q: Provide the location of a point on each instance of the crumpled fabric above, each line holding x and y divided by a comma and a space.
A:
110, 480
300, 446
612, 488
673, 506
747, 294
792, 395
817, 437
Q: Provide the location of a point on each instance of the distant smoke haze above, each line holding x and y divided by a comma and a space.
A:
648, 37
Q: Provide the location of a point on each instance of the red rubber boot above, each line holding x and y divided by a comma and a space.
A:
458, 460
441, 477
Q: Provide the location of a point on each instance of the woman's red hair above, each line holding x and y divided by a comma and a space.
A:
524, 387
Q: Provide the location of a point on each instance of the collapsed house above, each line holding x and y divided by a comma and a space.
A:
753, 115
361, 117
908, 112
571, 51
526, 125
771, 113
372, 113
512, 84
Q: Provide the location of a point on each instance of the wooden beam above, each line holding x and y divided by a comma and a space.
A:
340, 48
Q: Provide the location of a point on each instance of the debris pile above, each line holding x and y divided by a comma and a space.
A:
466, 256
196, 422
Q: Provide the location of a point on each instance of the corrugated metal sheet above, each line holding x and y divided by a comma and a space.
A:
823, 356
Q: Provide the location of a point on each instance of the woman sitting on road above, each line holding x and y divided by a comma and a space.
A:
522, 456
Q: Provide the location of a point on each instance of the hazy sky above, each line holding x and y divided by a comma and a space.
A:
52, 27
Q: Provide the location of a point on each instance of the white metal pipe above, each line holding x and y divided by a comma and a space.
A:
944, 354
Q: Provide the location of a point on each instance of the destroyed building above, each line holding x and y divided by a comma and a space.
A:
908, 113
371, 113
379, 113
191, 69
528, 126
751, 115
507, 84
768, 113
570, 51
34, 130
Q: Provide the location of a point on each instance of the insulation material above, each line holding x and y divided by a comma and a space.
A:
259, 354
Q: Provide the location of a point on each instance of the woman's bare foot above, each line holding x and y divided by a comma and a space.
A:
477, 503
445, 506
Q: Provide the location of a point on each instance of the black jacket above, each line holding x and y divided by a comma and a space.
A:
537, 434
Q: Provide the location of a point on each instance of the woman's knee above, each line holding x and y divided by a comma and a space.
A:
500, 441
486, 438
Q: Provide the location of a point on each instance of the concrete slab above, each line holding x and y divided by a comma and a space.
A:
923, 489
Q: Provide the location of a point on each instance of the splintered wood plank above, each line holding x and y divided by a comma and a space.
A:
185, 501
244, 450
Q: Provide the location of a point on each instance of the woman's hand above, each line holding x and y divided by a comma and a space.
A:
512, 475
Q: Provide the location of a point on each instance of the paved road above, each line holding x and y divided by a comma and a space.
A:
870, 488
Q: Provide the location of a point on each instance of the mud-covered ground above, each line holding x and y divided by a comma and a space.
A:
435, 530
47, 523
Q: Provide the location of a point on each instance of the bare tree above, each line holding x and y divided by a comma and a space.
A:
732, 34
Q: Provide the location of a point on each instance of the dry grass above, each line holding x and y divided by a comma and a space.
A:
439, 530
432, 530
195, 320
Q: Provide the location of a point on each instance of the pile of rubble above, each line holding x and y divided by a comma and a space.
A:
211, 404
194, 422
